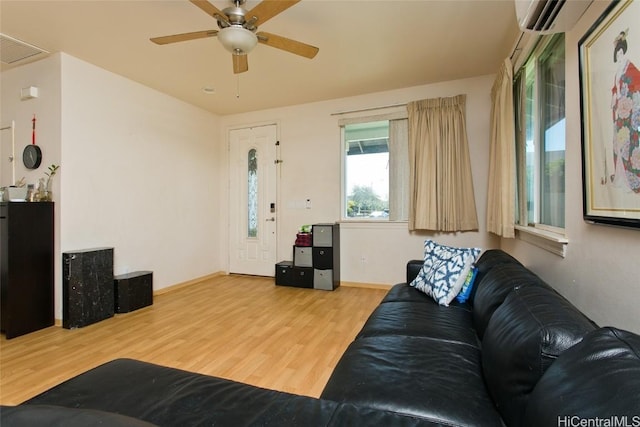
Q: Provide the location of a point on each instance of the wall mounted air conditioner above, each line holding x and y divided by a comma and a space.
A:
549, 16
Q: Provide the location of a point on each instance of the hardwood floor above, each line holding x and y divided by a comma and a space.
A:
237, 327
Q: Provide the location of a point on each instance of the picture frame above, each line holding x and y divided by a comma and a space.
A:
609, 59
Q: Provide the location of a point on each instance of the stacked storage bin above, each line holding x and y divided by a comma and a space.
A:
326, 256
316, 266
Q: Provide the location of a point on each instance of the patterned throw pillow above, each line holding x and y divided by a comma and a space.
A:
467, 286
444, 271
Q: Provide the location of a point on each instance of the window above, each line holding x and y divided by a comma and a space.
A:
540, 135
367, 169
375, 170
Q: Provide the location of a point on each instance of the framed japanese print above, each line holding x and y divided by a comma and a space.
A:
609, 58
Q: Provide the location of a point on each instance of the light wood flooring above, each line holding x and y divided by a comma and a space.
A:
238, 327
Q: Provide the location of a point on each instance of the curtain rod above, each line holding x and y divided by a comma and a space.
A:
515, 47
368, 109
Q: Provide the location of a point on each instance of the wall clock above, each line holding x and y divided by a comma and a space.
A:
32, 154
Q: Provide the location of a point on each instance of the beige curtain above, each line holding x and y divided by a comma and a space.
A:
398, 170
441, 185
501, 195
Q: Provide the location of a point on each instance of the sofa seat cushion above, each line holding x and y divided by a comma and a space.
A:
428, 320
597, 378
436, 380
526, 334
402, 292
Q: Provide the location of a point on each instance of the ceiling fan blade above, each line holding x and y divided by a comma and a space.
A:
184, 37
210, 10
267, 9
289, 45
240, 63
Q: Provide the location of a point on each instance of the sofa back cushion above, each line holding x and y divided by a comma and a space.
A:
489, 259
525, 335
493, 288
597, 378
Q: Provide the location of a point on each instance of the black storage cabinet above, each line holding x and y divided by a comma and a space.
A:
26, 266
132, 291
326, 256
316, 267
87, 287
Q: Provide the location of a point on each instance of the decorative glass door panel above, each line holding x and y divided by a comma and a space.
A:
252, 194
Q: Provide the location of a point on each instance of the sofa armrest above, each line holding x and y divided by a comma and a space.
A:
413, 268
132, 393
49, 415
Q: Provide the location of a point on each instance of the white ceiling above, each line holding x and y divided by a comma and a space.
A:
365, 46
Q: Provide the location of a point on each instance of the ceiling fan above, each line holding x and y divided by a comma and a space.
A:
238, 30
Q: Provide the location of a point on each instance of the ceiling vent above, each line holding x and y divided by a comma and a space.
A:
14, 50
549, 16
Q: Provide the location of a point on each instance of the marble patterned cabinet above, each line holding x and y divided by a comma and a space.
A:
87, 287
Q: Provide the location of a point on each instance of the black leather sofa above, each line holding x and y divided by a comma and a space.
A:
517, 353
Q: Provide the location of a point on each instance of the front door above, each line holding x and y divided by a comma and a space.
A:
252, 205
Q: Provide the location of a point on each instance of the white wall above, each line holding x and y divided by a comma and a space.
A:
45, 75
310, 149
601, 272
138, 170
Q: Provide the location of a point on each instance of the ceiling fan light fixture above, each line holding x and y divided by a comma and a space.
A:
237, 40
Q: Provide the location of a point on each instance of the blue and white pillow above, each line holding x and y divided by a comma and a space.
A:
444, 271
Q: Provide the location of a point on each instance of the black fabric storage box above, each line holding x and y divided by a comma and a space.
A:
288, 275
284, 273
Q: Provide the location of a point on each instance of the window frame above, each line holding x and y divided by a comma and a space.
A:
398, 114
546, 236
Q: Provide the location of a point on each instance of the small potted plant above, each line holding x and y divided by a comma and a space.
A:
45, 193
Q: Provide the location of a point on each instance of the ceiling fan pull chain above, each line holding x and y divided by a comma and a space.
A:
238, 86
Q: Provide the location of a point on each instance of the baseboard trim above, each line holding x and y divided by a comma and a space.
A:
187, 283
177, 286
366, 285
58, 322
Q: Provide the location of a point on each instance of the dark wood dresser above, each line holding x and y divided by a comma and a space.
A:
26, 266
